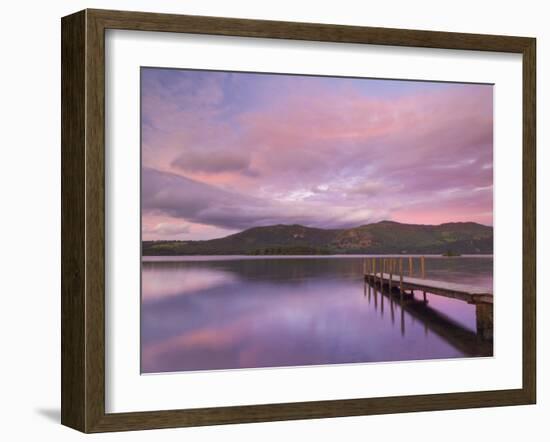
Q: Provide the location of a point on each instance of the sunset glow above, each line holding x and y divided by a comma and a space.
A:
223, 152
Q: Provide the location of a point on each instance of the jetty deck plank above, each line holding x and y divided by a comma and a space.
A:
465, 292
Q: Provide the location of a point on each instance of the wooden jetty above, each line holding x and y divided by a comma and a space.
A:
468, 293
389, 274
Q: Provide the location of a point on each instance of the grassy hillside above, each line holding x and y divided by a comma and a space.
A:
382, 237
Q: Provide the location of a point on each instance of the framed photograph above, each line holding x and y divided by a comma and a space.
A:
270, 220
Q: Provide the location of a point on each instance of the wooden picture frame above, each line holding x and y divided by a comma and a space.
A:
83, 220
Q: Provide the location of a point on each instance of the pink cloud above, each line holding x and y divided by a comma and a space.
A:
302, 147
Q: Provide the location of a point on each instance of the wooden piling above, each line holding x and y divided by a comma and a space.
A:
391, 273
484, 320
410, 266
423, 267
401, 276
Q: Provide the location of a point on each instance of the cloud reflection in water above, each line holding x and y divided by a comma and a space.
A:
206, 315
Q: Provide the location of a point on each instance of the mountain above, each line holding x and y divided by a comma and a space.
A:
382, 237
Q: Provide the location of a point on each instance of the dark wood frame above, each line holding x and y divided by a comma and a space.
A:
83, 220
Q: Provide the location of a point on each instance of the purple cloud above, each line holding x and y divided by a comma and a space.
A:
232, 151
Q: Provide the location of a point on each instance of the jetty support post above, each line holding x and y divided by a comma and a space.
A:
484, 320
410, 266
385, 267
401, 277
423, 266
391, 273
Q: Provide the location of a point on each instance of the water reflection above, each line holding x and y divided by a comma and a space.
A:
167, 281
241, 313
469, 342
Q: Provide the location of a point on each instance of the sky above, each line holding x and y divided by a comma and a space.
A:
226, 151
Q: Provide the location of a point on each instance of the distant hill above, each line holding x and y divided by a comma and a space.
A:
382, 237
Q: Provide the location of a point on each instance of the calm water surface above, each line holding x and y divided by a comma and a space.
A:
207, 313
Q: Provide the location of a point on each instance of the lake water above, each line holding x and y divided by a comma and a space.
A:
208, 313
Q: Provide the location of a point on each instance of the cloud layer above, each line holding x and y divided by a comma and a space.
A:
226, 151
